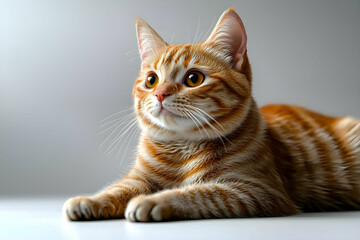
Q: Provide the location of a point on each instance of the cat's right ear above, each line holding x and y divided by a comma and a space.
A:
150, 43
229, 38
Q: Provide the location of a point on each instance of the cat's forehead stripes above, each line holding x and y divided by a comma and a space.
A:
174, 72
174, 59
175, 54
170, 53
166, 57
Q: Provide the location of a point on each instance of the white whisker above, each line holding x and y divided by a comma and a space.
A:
221, 136
119, 123
127, 127
194, 116
133, 132
213, 119
127, 109
189, 115
210, 27
132, 52
172, 38
117, 119
189, 33
197, 30
105, 140
134, 58
201, 36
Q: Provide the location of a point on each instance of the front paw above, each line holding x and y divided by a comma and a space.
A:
147, 208
88, 208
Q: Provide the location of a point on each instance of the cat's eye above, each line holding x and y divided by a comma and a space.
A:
194, 79
151, 80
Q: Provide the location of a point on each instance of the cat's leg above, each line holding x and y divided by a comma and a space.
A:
110, 203
211, 200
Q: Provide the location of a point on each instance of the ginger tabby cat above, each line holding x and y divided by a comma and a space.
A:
207, 150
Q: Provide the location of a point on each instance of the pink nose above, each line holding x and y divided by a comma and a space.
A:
161, 95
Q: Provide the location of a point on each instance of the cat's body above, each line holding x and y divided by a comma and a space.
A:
207, 151
317, 157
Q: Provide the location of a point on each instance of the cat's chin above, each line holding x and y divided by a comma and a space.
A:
171, 121
164, 113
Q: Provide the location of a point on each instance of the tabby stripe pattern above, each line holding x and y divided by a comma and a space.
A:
207, 151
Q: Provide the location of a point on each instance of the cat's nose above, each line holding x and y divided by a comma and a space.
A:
161, 95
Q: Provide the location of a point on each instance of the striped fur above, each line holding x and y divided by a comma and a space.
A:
210, 152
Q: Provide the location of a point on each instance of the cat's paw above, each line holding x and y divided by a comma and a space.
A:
88, 208
147, 208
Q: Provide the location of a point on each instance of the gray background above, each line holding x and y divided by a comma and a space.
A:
66, 65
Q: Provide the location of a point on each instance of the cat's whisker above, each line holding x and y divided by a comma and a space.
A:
193, 117
196, 33
213, 119
134, 58
220, 136
201, 36
121, 142
114, 114
172, 38
210, 27
119, 122
204, 129
201, 112
136, 133
118, 137
118, 125
133, 133
132, 52
189, 34
217, 132
125, 129
204, 114
112, 126
117, 119
189, 115
113, 132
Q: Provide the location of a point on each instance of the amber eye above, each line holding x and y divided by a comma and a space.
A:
151, 80
194, 79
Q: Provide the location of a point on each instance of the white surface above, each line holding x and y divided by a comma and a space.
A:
41, 219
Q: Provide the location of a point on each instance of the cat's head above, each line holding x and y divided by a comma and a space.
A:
193, 91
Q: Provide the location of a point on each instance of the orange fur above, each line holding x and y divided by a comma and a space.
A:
213, 153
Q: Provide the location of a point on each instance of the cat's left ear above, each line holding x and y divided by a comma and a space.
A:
150, 43
229, 38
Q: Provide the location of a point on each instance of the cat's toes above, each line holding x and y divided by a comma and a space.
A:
87, 208
146, 208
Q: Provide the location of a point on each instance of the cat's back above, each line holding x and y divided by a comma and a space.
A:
317, 156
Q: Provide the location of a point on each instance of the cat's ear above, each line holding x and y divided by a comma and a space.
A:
229, 38
150, 43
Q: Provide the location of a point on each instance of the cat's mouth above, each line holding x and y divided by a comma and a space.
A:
171, 118
166, 112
